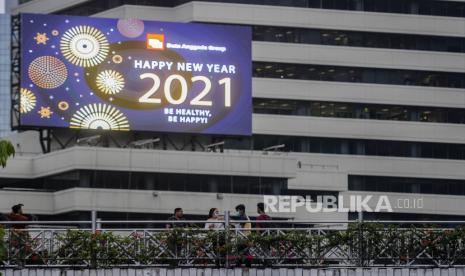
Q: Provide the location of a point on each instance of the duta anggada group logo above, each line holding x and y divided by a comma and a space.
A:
129, 74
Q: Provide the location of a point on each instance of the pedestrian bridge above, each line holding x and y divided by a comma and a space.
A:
240, 272
333, 247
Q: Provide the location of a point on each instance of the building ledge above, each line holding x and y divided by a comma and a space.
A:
240, 163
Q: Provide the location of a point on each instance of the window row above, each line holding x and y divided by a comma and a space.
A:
423, 7
153, 181
406, 185
358, 39
352, 146
359, 111
357, 74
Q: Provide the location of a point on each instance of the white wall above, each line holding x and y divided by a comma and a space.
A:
45, 6
275, 16
330, 171
296, 17
358, 92
404, 203
229, 163
358, 56
115, 200
358, 128
316, 172
379, 165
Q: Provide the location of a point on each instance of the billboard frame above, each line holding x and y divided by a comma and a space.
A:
51, 135
221, 128
15, 76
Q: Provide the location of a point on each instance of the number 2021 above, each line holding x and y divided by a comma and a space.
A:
198, 100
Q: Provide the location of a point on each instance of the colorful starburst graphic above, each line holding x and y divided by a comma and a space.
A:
98, 73
130, 27
110, 82
41, 38
99, 116
84, 46
47, 72
28, 100
117, 59
45, 112
63, 105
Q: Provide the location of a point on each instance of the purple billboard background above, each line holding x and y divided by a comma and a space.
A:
54, 95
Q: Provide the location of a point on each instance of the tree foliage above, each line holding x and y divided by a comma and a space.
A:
7, 150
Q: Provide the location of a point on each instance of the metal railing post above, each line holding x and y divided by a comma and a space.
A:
226, 228
226, 219
360, 238
93, 257
98, 224
94, 221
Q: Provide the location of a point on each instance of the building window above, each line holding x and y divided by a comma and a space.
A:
406, 185
358, 39
353, 146
153, 181
357, 74
359, 111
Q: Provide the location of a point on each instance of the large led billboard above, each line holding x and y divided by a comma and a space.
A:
130, 74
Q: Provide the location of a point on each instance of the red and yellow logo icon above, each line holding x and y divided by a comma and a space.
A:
155, 41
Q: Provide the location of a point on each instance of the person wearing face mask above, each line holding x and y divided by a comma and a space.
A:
245, 228
241, 215
213, 217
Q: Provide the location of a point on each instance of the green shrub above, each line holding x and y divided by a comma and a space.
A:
361, 244
2, 244
102, 249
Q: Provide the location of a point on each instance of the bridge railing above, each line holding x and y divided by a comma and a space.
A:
280, 244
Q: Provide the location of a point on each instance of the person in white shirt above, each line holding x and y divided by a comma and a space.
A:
213, 217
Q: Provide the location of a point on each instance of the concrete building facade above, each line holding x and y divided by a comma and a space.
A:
367, 96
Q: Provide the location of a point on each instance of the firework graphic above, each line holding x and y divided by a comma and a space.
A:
45, 112
41, 38
47, 72
28, 100
84, 46
84, 73
99, 116
117, 59
63, 105
130, 27
110, 82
